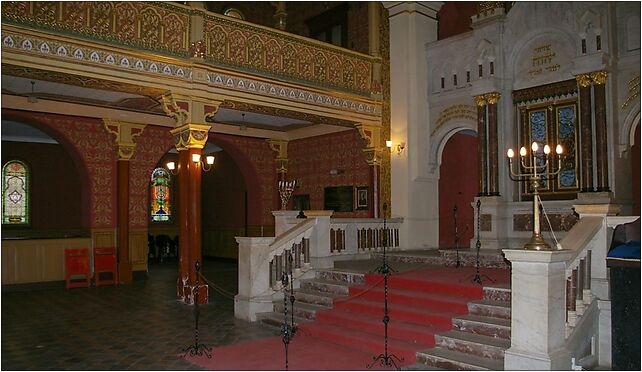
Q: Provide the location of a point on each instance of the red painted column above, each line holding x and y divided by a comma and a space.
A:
124, 266
373, 198
601, 148
194, 214
184, 237
586, 133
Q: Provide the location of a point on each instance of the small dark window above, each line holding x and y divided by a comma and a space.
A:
455, 79
583, 46
468, 76
481, 70
443, 82
492, 68
331, 26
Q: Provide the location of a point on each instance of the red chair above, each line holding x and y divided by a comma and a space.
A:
105, 262
77, 263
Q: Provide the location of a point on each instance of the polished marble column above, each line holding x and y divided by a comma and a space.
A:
601, 148
586, 132
480, 101
493, 174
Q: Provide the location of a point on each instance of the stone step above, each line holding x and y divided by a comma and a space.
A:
325, 286
431, 257
497, 292
490, 308
274, 320
455, 360
483, 325
468, 258
470, 343
301, 309
341, 276
316, 297
421, 367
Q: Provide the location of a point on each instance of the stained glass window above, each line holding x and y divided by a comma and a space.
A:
161, 195
15, 193
554, 124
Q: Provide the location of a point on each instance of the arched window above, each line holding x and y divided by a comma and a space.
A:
15, 193
161, 195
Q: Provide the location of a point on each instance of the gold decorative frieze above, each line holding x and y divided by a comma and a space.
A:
281, 149
190, 136
125, 133
273, 111
634, 91
299, 95
153, 26
563, 89
599, 77
583, 80
53, 48
463, 112
298, 59
374, 156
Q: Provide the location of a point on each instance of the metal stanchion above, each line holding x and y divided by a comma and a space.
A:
197, 348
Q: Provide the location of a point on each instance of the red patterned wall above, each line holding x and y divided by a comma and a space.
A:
311, 159
96, 149
256, 162
151, 145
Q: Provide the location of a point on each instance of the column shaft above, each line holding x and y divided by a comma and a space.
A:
601, 139
184, 237
493, 176
482, 149
124, 266
586, 139
373, 197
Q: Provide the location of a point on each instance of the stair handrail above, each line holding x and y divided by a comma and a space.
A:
301, 230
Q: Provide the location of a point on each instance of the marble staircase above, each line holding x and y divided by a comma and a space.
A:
477, 340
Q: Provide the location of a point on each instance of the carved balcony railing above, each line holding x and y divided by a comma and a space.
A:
160, 27
363, 235
223, 42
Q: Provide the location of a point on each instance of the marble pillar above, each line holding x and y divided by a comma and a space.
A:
602, 171
493, 173
481, 145
538, 310
586, 133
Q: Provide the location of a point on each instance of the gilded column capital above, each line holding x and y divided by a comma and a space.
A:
280, 147
480, 100
190, 136
599, 77
374, 155
125, 133
492, 98
189, 109
371, 133
584, 80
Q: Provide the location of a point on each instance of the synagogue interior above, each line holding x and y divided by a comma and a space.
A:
320, 185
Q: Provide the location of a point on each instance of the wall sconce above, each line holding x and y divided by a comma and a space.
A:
399, 147
196, 158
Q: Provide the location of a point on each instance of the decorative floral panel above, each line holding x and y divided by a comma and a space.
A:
236, 43
152, 26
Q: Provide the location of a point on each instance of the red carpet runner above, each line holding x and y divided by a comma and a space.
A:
346, 337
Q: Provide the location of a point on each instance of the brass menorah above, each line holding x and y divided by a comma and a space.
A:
532, 174
285, 191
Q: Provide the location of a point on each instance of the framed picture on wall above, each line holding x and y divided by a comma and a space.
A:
301, 202
362, 197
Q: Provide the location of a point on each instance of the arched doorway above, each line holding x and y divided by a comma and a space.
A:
458, 186
58, 185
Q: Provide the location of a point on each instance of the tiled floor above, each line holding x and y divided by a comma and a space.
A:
133, 327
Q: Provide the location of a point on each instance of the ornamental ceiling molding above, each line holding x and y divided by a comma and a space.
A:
82, 81
274, 111
299, 95
72, 52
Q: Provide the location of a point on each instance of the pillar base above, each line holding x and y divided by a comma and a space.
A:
125, 275
246, 308
515, 359
186, 293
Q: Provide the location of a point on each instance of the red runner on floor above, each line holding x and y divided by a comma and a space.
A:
348, 336
305, 353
